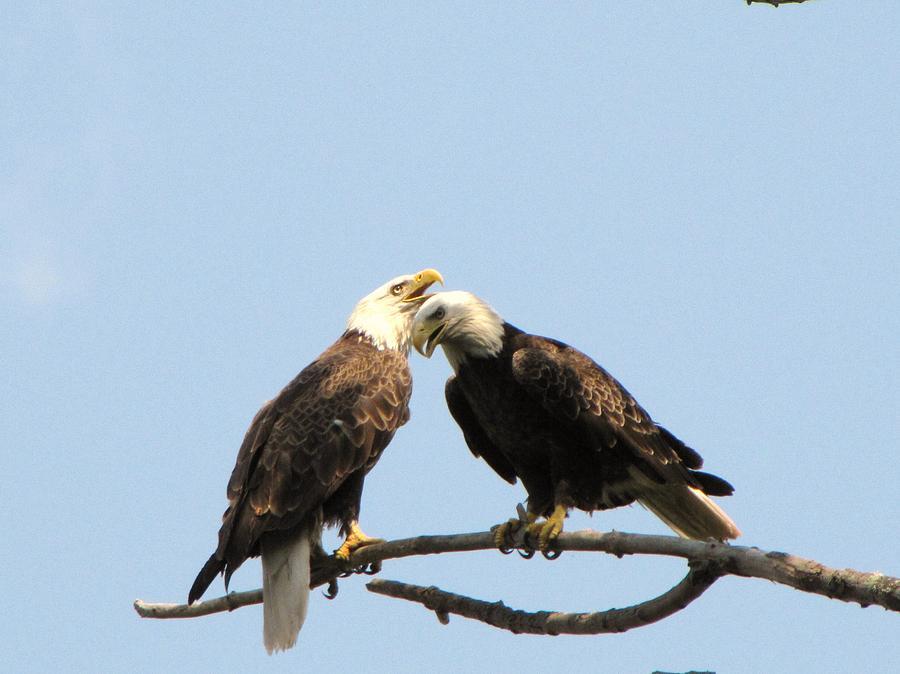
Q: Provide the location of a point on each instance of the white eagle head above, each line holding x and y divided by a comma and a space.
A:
385, 314
463, 324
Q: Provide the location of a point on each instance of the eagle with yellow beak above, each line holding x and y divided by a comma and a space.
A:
541, 411
307, 452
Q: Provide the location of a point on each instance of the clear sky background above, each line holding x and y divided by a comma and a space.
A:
702, 196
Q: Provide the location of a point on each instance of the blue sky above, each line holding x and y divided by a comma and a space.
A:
701, 196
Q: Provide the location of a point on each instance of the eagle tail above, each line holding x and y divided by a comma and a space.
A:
213, 567
285, 565
687, 511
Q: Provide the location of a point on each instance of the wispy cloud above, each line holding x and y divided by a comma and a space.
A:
37, 280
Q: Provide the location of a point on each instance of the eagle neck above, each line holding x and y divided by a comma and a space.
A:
359, 337
478, 354
390, 342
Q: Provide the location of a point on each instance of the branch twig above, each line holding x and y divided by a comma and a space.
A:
701, 576
229, 602
774, 3
802, 574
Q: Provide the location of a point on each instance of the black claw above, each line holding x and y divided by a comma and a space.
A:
551, 554
505, 550
526, 553
372, 568
332, 591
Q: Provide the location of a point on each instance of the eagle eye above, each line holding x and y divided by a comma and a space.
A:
397, 289
438, 313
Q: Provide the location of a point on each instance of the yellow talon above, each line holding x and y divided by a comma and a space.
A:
355, 539
549, 530
504, 533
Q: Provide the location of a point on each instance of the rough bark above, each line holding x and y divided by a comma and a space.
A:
701, 576
802, 574
774, 3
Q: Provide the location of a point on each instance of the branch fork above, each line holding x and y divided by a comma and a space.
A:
708, 561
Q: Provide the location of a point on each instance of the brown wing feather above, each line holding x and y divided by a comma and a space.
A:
574, 388
476, 438
333, 420
660, 468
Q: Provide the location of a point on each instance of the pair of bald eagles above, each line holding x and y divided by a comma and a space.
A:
533, 408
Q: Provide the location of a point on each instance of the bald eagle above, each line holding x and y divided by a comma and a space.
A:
306, 454
539, 410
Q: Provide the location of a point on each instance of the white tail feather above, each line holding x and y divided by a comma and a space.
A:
285, 590
686, 510
690, 513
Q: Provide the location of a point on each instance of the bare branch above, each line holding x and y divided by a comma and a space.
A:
774, 3
325, 571
802, 574
229, 602
701, 576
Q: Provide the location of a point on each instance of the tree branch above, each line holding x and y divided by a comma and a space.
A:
701, 576
229, 602
802, 574
774, 3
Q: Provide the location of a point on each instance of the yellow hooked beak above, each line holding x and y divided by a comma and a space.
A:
420, 283
427, 335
